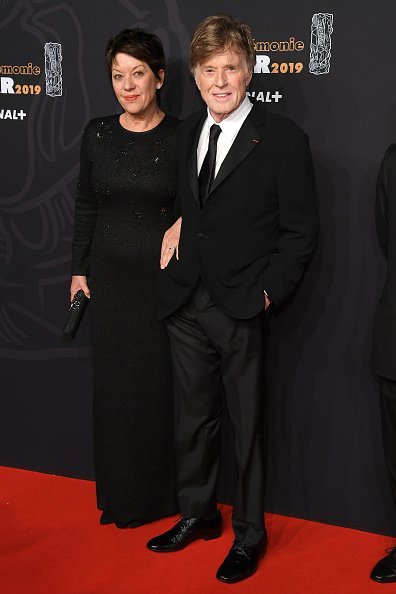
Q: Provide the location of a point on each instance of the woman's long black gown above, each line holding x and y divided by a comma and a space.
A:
124, 205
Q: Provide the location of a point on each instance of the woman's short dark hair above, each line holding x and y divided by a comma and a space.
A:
138, 44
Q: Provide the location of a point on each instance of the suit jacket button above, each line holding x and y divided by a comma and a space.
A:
200, 235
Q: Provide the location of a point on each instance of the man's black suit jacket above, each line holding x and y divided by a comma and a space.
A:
258, 227
384, 345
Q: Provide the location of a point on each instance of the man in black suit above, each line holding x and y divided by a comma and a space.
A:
384, 344
249, 226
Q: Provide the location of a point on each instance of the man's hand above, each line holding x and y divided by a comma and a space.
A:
170, 244
266, 301
77, 283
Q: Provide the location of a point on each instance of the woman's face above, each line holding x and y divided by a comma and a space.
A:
134, 84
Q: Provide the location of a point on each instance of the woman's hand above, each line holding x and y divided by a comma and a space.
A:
77, 283
170, 244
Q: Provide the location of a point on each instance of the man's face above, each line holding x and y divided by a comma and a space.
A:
222, 80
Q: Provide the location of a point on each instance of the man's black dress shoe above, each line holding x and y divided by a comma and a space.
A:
185, 531
240, 563
385, 570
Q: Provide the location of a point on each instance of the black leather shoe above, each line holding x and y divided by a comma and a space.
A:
185, 531
240, 563
385, 570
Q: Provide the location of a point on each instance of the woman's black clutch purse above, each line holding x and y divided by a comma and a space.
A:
76, 312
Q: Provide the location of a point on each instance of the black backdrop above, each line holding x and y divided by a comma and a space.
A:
326, 457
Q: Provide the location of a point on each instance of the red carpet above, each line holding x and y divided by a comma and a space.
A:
51, 543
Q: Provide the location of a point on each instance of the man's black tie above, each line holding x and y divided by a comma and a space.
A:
206, 174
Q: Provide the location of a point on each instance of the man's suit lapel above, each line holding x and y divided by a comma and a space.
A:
193, 140
245, 142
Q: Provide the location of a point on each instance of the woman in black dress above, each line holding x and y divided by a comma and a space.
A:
123, 207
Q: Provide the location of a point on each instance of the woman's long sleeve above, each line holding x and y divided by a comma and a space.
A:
85, 211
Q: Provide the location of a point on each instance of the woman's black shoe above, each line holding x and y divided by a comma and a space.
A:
106, 517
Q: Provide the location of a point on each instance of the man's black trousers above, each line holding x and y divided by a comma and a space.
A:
210, 348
